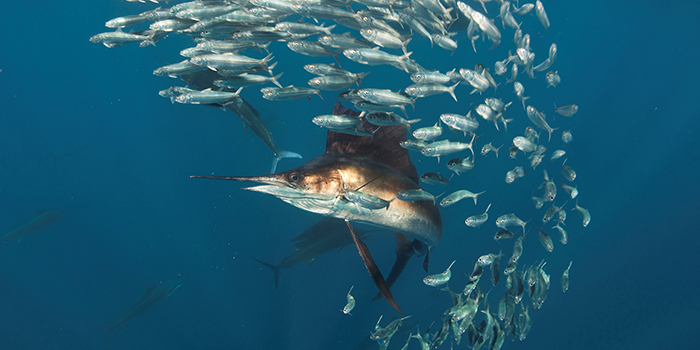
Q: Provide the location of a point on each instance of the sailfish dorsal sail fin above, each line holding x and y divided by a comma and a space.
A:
383, 145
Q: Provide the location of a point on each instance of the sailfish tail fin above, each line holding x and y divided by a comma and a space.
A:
282, 154
275, 269
109, 337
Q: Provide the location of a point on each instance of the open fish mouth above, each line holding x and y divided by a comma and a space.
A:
312, 202
286, 191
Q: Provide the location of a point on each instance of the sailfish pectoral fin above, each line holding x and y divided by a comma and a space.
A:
404, 251
372, 268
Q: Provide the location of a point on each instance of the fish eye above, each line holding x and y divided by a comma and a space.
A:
294, 177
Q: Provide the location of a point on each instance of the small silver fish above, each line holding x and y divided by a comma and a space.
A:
429, 89
415, 195
488, 259
517, 249
550, 189
496, 271
553, 78
564, 236
440, 278
565, 278
459, 165
463, 123
568, 173
524, 144
501, 67
457, 196
512, 266
350, 304
566, 136
336, 82
444, 147
414, 145
551, 212
384, 119
523, 10
365, 200
566, 111
573, 191
335, 121
584, 213
538, 202
428, 133
289, 93
434, 77
546, 241
503, 234
511, 219
477, 220
558, 154
562, 217
542, 16
434, 179
520, 92
487, 148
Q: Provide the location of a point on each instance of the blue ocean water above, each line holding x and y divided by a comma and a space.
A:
85, 131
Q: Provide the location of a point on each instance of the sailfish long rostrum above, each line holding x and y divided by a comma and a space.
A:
376, 166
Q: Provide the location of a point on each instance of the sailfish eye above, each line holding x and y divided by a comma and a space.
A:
294, 177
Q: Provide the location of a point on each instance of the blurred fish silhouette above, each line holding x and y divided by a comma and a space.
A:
153, 293
44, 218
326, 235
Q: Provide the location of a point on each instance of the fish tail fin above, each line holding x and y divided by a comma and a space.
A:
335, 56
360, 77
275, 269
451, 90
109, 336
477, 195
274, 79
282, 154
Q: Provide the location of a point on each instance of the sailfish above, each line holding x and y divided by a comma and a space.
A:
153, 294
43, 219
376, 166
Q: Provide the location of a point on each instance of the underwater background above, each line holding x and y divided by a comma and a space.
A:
84, 130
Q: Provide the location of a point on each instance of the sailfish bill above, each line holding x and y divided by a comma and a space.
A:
375, 168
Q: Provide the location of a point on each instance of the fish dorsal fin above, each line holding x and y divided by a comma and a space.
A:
384, 144
42, 211
151, 288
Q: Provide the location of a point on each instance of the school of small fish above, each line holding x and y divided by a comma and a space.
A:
236, 40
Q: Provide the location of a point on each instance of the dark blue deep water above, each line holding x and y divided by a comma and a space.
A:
83, 129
